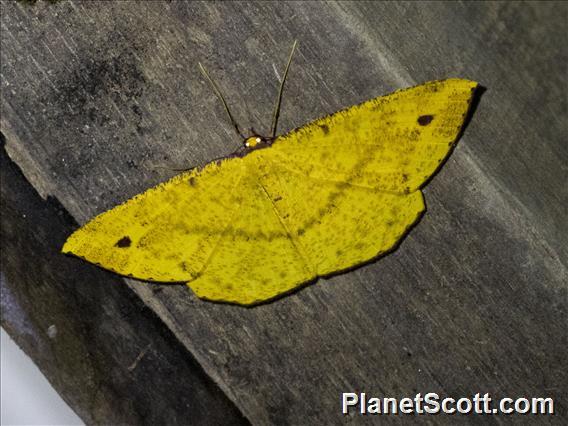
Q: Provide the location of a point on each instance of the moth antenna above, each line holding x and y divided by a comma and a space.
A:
220, 96
279, 100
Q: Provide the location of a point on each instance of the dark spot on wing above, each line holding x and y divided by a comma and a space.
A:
324, 128
123, 242
424, 120
192, 181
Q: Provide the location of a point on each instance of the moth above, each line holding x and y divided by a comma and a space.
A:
285, 210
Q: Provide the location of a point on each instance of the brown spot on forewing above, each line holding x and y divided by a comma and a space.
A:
124, 242
424, 120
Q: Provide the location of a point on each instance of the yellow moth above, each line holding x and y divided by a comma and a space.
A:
323, 198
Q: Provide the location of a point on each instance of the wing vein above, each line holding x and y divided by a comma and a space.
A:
369, 188
295, 243
221, 236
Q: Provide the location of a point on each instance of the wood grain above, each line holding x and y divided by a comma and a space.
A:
95, 95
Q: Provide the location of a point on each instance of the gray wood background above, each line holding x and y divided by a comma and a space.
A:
96, 94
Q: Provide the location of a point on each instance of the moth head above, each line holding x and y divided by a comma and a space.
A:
252, 141
256, 142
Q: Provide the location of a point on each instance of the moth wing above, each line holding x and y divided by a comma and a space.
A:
292, 229
256, 259
168, 232
338, 225
347, 185
393, 143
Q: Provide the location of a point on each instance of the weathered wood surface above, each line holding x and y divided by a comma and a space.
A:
474, 300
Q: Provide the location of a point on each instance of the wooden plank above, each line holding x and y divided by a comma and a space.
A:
474, 300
